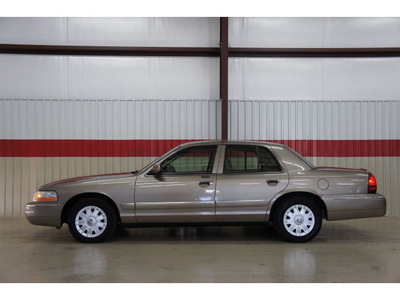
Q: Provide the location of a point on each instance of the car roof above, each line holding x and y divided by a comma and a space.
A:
244, 142
226, 142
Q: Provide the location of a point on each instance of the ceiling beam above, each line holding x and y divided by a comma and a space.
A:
109, 50
314, 52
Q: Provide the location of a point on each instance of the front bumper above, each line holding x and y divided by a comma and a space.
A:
46, 214
354, 206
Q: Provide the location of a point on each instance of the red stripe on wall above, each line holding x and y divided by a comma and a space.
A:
344, 148
86, 148
155, 148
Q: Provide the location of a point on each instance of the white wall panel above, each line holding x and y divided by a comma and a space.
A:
42, 31
109, 119
361, 32
314, 78
33, 76
314, 32
362, 79
276, 32
203, 32
275, 79
62, 77
163, 32
142, 78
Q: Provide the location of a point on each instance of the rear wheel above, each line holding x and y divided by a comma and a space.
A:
297, 220
92, 220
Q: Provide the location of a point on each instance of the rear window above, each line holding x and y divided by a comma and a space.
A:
249, 158
309, 164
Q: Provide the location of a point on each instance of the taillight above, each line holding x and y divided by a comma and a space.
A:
372, 184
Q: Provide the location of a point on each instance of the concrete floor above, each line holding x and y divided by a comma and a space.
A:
366, 250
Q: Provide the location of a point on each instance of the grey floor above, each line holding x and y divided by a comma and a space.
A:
366, 250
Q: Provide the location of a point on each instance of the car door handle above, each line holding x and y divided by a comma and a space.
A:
205, 183
272, 182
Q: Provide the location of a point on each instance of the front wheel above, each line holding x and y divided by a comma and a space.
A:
92, 220
297, 220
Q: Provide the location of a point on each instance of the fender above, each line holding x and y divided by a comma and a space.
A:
287, 192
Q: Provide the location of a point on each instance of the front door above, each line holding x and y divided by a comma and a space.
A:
184, 191
250, 178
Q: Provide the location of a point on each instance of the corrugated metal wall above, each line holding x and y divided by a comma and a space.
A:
154, 126
315, 120
108, 119
67, 116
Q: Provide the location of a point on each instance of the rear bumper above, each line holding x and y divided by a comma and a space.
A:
46, 214
353, 206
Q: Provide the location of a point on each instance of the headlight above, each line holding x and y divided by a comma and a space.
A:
45, 196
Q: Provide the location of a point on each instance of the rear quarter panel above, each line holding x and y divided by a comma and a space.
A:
343, 191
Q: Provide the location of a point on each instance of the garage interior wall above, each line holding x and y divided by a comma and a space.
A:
66, 116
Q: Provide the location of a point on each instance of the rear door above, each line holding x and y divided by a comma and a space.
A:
251, 177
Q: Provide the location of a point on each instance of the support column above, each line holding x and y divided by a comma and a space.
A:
223, 73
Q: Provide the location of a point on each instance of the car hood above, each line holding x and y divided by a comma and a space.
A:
92, 178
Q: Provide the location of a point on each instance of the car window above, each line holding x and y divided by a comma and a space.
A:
190, 160
243, 158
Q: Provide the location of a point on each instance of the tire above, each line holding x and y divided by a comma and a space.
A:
297, 220
92, 220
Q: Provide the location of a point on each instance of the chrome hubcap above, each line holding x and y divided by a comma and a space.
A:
299, 220
91, 221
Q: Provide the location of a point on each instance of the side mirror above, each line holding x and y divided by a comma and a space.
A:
157, 170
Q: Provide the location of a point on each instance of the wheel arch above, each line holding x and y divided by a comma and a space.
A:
81, 197
312, 197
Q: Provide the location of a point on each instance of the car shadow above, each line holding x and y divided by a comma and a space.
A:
193, 234
331, 232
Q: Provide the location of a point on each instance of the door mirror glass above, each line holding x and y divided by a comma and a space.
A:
156, 170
